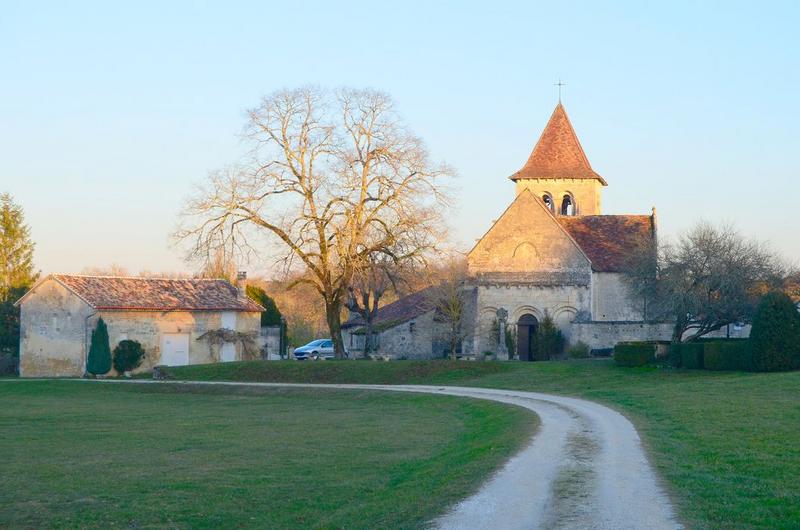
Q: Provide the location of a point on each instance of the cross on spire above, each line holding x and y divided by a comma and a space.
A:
559, 85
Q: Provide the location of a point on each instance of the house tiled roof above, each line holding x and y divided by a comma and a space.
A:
609, 241
402, 310
558, 153
152, 294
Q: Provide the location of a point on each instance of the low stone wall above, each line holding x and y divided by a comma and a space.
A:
606, 334
269, 342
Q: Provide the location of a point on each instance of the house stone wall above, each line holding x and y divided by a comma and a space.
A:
52, 332
147, 327
400, 342
428, 340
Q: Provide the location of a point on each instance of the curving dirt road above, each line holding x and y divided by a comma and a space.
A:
584, 468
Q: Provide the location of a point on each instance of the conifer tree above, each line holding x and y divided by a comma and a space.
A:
16, 269
271, 316
549, 340
99, 359
775, 338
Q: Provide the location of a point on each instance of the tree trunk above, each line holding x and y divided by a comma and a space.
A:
453, 344
677, 332
333, 316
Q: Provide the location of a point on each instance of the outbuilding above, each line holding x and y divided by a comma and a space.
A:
177, 321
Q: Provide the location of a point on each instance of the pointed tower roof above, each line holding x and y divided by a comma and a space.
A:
558, 153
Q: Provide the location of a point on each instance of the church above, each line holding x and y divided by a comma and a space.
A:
552, 253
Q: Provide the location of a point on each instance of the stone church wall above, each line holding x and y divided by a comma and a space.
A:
526, 238
612, 300
562, 303
586, 192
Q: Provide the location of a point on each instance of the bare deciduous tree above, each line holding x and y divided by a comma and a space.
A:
711, 277
389, 269
112, 270
373, 279
334, 178
448, 297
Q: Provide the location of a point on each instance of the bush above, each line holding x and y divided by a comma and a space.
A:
99, 359
686, 355
726, 355
9, 364
579, 350
549, 340
634, 353
775, 338
128, 356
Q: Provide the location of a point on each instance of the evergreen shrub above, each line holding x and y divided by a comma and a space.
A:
99, 358
775, 337
549, 340
128, 356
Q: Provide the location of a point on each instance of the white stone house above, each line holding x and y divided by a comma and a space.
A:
167, 316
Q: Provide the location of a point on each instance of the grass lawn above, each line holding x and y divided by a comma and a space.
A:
79, 454
727, 443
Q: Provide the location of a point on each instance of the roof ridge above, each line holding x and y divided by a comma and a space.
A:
113, 276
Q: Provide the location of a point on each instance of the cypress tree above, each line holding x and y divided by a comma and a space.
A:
99, 359
271, 316
775, 337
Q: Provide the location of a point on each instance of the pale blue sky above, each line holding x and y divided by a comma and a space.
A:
109, 114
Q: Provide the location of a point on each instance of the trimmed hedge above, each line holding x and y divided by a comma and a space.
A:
634, 353
686, 355
733, 354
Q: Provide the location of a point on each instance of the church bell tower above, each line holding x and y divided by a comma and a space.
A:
558, 172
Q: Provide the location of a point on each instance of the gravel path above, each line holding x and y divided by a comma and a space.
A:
584, 468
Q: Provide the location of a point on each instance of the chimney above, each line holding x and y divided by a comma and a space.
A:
241, 283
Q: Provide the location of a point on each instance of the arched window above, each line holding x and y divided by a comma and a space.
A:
548, 201
568, 206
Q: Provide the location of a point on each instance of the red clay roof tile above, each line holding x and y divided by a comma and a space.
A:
558, 153
151, 294
609, 241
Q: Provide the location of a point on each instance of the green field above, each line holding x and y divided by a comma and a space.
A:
83, 454
727, 444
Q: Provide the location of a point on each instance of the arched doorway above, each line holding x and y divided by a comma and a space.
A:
526, 337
